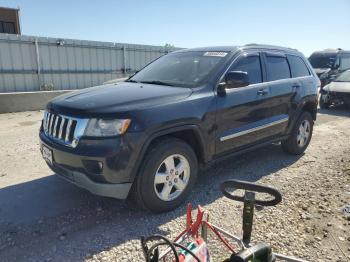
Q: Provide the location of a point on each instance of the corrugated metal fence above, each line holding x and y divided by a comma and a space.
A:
29, 63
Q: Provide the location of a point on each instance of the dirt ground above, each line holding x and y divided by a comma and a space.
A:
43, 218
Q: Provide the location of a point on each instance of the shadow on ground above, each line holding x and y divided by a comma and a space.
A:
339, 110
49, 215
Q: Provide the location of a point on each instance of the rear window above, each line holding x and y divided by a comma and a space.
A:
297, 66
277, 68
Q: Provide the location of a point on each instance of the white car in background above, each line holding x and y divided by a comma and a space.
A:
336, 92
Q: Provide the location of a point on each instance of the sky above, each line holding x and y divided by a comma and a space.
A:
306, 25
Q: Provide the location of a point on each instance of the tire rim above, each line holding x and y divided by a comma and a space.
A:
303, 133
172, 177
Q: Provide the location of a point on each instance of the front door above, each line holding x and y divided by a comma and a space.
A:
242, 112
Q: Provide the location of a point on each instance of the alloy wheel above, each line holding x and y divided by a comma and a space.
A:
303, 133
172, 177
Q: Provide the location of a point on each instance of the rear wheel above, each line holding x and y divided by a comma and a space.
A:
167, 175
301, 135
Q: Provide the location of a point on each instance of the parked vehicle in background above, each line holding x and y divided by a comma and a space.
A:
329, 63
147, 137
336, 92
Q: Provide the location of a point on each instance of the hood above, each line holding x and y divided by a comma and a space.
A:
321, 71
116, 80
341, 87
114, 98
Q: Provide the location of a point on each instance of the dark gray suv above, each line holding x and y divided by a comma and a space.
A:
147, 137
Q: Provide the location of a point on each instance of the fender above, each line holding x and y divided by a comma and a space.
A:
308, 100
164, 132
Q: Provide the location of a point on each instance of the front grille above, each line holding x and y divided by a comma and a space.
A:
64, 129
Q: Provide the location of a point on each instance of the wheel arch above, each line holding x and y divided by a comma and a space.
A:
190, 134
308, 104
311, 107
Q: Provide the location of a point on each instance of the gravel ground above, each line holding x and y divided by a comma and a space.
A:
43, 218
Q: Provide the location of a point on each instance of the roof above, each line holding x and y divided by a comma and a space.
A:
9, 8
331, 51
212, 49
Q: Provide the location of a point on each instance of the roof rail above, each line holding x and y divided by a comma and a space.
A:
333, 49
271, 46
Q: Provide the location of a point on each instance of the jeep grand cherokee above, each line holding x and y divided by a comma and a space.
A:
147, 137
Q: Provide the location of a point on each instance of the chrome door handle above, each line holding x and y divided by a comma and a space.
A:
262, 92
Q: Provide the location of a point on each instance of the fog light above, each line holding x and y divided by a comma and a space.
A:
93, 166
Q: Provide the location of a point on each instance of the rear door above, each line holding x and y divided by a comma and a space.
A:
303, 81
282, 90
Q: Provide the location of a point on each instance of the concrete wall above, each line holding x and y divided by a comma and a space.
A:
26, 101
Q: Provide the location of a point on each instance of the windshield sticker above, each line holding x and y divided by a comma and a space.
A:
219, 54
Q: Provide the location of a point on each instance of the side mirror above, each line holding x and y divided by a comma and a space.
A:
235, 79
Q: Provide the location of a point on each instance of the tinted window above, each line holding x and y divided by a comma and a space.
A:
277, 68
345, 62
251, 65
323, 60
297, 66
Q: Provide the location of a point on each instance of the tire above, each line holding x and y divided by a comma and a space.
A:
323, 104
295, 144
157, 197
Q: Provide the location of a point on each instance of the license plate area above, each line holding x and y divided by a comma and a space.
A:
47, 154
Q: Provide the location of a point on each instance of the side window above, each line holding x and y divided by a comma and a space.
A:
345, 62
251, 65
277, 68
297, 66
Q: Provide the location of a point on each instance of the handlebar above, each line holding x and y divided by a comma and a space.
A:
238, 184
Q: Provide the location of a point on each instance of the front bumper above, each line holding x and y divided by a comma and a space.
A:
335, 97
119, 191
117, 156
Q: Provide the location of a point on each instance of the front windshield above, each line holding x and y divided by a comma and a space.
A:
323, 60
184, 69
344, 77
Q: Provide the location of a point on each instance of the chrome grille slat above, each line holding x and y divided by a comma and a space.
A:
69, 125
64, 129
50, 124
63, 120
55, 126
46, 121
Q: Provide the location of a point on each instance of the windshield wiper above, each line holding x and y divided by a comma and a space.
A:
132, 81
157, 82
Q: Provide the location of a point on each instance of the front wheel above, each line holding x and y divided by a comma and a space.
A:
167, 175
301, 135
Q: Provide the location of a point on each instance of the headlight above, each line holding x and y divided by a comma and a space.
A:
107, 127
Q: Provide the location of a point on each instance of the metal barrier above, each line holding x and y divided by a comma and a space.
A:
29, 63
